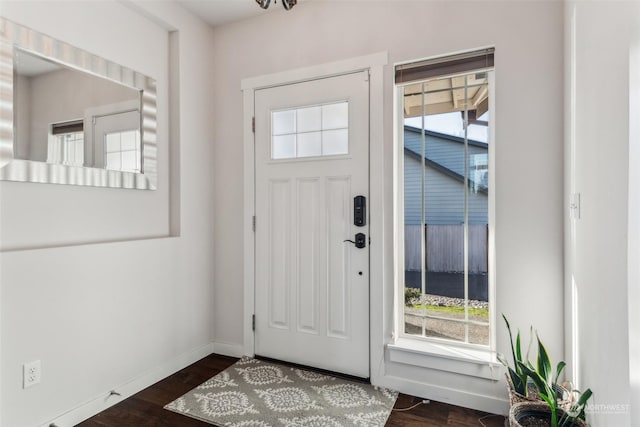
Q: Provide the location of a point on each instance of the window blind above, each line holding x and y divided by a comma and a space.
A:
67, 127
446, 65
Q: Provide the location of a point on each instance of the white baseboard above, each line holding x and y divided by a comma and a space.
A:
228, 349
465, 399
94, 406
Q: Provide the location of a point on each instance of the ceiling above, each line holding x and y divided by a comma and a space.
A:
219, 12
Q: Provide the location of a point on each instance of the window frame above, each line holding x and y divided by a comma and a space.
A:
404, 344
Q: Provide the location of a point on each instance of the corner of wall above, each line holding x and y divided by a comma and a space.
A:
174, 134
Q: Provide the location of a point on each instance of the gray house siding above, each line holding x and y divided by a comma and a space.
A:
444, 189
446, 150
444, 197
444, 205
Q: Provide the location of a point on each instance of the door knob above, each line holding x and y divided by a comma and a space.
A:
360, 242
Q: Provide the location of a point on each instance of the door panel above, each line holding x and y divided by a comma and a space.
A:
338, 222
279, 253
312, 286
307, 254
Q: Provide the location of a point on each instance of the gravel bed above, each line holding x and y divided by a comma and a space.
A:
447, 329
448, 302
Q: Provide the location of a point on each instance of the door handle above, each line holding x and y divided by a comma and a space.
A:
360, 242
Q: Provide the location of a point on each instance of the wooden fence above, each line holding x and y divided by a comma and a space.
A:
444, 248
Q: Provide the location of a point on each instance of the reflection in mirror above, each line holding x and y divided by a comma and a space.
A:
73, 117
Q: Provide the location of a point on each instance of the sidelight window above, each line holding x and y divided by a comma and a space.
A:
66, 143
445, 199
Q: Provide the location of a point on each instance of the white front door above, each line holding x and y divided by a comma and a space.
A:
311, 283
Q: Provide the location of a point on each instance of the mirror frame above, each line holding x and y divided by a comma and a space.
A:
14, 36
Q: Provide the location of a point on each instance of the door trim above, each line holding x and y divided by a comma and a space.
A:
375, 64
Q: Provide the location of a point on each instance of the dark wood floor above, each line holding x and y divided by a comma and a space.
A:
146, 408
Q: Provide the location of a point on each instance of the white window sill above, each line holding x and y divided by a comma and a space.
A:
460, 360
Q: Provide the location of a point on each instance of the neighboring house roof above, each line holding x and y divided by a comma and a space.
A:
458, 139
438, 166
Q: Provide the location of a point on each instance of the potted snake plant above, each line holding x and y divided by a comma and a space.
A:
551, 411
519, 387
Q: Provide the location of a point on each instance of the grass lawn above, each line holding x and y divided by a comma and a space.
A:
482, 312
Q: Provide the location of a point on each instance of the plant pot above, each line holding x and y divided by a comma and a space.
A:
533, 396
534, 414
515, 397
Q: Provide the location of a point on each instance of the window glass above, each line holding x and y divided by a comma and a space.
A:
122, 150
310, 144
309, 119
445, 154
66, 148
335, 116
283, 122
283, 146
335, 142
310, 131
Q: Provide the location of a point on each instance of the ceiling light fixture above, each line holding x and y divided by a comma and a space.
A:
288, 4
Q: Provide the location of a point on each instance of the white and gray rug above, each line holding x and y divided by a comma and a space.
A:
254, 393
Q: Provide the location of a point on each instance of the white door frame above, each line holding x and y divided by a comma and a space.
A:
375, 64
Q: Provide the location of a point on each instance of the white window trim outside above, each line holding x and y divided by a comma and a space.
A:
434, 353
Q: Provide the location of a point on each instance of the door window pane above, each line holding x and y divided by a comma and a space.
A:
123, 151
112, 142
113, 161
129, 141
310, 131
283, 147
335, 116
309, 119
283, 122
310, 144
335, 142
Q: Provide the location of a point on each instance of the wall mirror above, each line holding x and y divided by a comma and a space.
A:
70, 117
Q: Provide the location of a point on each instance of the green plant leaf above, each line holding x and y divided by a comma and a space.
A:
518, 378
519, 385
582, 403
535, 377
559, 369
530, 342
513, 353
518, 350
544, 364
586, 395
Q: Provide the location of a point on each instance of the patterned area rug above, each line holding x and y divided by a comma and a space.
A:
254, 393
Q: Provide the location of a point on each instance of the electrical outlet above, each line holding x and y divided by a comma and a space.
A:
31, 373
